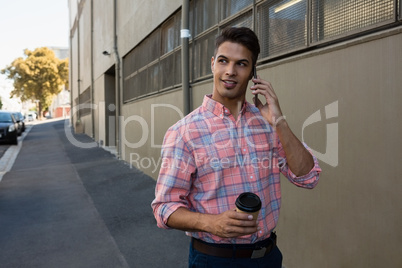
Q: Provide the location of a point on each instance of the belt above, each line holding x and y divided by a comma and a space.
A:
234, 251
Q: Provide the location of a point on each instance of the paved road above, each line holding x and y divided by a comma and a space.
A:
64, 206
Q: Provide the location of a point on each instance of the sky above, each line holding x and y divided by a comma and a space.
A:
30, 24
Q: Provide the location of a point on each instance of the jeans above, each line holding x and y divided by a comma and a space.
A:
200, 260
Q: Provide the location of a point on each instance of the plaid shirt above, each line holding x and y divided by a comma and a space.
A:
208, 159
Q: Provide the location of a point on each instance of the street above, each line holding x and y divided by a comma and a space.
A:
65, 206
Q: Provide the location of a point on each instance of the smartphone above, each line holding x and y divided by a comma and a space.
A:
255, 71
255, 76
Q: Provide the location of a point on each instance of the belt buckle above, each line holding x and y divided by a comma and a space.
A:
258, 253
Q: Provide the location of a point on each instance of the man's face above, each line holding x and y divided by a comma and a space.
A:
231, 67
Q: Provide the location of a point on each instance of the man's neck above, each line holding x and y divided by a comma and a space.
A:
235, 108
234, 105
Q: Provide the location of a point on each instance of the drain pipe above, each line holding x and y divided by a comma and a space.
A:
92, 70
117, 83
185, 36
78, 117
71, 77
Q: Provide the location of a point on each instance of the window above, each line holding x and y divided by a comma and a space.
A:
152, 65
203, 44
341, 17
203, 49
281, 26
171, 70
232, 7
245, 20
400, 10
205, 15
170, 36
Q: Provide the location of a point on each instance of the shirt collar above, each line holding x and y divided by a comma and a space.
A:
218, 108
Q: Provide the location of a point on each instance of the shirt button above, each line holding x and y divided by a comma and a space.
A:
251, 177
244, 150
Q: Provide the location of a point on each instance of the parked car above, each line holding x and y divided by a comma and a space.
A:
8, 128
31, 116
20, 120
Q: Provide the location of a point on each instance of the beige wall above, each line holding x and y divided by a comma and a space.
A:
145, 124
352, 219
74, 67
85, 48
103, 39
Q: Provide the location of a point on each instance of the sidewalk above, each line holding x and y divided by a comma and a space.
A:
63, 206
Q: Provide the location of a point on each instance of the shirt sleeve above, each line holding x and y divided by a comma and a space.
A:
174, 181
309, 181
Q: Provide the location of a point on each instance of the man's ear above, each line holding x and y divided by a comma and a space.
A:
212, 64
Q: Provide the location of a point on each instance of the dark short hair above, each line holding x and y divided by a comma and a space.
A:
241, 35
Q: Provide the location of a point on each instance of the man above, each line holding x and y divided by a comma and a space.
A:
226, 147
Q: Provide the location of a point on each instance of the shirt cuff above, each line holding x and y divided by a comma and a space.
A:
164, 212
310, 180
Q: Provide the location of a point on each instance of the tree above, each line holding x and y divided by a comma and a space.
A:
38, 76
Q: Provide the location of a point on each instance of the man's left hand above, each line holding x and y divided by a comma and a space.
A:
271, 110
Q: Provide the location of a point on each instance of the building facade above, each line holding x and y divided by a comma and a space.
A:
60, 106
137, 67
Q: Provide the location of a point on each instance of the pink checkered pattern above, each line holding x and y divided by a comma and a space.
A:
208, 159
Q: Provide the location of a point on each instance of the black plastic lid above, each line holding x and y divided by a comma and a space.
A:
248, 202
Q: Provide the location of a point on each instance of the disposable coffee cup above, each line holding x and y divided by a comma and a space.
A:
248, 203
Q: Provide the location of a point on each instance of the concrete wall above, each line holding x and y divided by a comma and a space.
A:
103, 38
352, 218
145, 125
74, 62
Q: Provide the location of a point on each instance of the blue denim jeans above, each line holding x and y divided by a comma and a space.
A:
200, 260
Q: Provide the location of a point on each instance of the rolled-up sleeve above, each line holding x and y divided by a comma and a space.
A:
309, 181
174, 181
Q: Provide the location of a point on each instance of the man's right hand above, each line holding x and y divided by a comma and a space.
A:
228, 224
232, 224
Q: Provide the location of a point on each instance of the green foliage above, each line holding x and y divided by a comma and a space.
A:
38, 76
1, 104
